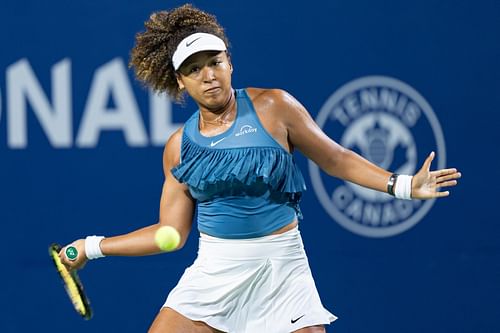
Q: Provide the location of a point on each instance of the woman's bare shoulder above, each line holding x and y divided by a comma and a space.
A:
277, 102
172, 151
267, 96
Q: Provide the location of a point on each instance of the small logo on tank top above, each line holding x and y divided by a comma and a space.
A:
246, 129
214, 143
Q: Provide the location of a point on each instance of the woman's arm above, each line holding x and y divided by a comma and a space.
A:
176, 210
305, 135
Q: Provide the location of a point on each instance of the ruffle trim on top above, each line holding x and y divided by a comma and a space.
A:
203, 166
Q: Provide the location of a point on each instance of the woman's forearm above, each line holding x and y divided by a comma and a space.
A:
356, 169
136, 243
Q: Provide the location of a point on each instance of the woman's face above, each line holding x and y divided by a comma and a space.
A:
206, 76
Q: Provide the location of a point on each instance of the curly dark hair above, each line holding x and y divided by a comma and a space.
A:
151, 57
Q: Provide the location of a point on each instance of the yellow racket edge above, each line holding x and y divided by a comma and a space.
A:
72, 284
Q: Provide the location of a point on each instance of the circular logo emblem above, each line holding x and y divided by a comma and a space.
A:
390, 124
71, 253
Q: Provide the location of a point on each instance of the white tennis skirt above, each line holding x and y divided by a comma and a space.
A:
258, 285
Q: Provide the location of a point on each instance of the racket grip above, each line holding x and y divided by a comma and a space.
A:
71, 253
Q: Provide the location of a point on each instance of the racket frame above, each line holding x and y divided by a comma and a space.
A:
54, 250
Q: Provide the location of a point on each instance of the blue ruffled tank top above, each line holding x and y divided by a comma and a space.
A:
245, 183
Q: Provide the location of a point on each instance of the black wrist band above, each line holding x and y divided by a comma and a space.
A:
390, 184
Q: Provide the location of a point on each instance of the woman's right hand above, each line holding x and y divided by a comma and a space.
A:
80, 260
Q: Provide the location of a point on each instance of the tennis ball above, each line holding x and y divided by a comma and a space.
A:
167, 238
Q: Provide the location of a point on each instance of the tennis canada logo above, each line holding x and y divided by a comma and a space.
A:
392, 125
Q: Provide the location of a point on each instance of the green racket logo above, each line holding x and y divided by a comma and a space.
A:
71, 253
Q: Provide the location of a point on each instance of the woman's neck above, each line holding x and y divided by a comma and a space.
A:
221, 115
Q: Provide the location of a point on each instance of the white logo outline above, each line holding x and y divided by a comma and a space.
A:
246, 129
214, 143
314, 171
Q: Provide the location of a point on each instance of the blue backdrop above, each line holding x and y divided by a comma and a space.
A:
81, 149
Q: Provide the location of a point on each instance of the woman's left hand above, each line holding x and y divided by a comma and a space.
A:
426, 184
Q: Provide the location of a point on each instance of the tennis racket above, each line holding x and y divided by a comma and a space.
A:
72, 284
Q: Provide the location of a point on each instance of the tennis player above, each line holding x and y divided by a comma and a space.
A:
233, 161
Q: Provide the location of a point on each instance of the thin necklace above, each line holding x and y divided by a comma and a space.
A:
218, 120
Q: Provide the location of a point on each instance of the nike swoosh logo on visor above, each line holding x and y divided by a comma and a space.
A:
191, 42
212, 144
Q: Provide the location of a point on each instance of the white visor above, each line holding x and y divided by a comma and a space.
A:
194, 43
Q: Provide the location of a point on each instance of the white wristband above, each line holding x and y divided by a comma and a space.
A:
402, 188
93, 248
